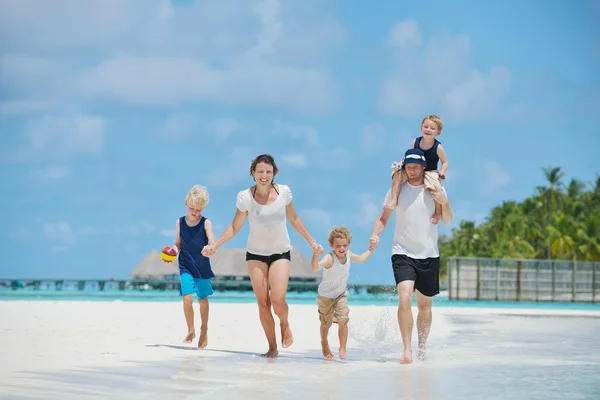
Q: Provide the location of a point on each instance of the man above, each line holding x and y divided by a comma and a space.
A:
415, 254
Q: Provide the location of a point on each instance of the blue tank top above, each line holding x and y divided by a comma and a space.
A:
430, 154
193, 240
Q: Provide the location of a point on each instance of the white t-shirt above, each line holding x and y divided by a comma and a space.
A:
268, 223
415, 236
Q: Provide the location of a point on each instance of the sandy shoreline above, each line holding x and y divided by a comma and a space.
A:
46, 340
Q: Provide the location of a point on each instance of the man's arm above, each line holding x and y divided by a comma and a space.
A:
447, 213
380, 224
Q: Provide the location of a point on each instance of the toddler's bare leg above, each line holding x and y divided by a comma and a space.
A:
396, 185
325, 343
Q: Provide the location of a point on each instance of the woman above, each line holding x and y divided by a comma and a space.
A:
267, 206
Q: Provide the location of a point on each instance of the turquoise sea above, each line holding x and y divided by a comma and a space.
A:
356, 299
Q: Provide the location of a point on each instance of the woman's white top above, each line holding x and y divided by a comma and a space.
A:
268, 223
335, 279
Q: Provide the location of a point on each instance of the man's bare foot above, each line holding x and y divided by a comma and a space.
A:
203, 341
272, 353
435, 219
343, 354
406, 357
286, 335
421, 353
327, 354
190, 336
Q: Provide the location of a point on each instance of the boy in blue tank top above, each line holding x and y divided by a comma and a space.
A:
192, 233
431, 128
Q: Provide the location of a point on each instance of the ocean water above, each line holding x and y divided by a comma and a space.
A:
292, 298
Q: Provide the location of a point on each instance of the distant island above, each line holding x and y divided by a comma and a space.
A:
559, 222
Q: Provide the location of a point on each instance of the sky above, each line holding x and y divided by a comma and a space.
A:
111, 110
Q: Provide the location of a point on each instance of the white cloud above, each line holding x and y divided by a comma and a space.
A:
307, 134
50, 173
373, 138
58, 231
15, 107
168, 232
337, 159
232, 170
153, 53
141, 228
369, 210
63, 136
221, 128
319, 217
295, 160
435, 75
177, 127
405, 34
494, 176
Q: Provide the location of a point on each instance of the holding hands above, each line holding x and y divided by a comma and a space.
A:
208, 250
316, 248
373, 242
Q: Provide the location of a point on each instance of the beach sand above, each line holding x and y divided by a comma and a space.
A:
131, 350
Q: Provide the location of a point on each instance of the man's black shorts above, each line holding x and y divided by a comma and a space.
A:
424, 272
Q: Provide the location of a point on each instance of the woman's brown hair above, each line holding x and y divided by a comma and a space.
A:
264, 158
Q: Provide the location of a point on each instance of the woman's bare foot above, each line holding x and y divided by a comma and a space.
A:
272, 353
286, 335
406, 357
343, 354
327, 354
435, 219
190, 336
203, 341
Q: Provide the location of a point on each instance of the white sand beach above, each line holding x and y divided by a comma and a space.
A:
130, 350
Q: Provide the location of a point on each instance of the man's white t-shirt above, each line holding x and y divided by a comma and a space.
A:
415, 236
268, 223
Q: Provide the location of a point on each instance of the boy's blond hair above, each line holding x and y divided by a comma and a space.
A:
436, 119
340, 232
197, 197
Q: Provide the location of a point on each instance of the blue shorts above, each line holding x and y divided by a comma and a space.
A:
191, 285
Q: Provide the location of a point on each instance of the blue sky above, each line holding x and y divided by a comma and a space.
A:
111, 111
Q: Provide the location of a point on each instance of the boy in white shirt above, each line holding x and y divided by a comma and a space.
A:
332, 293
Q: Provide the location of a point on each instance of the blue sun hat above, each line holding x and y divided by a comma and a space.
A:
415, 156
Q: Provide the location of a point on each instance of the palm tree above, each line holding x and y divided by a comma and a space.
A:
552, 197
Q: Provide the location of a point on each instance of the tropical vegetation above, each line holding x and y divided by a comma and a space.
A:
558, 222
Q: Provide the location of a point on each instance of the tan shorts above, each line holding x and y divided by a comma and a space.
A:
333, 310
432, 181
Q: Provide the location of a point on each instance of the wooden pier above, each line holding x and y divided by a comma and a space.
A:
109, 285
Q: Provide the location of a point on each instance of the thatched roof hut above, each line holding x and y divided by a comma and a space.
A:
226, 264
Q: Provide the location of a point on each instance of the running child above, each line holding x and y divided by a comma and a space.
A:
332, 293
192, 233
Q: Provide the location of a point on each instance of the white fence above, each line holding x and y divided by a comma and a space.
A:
471, 278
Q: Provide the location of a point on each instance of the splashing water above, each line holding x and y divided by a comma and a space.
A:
379, 336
